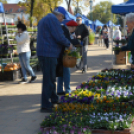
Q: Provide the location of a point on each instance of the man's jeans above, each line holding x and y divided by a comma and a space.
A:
24, 59
48, 67
66, 80
85, 49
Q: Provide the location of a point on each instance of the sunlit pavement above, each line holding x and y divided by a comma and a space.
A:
20, 104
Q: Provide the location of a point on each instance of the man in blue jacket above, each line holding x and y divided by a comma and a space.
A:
50, 35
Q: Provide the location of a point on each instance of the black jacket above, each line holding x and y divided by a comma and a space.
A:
83, 31
67, 35
59, 68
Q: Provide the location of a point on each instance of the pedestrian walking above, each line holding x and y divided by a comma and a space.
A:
23, 49
105, 33
117, 33
50, 40
82, 33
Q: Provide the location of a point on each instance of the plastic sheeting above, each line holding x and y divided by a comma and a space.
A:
110, 23
123, 8
1, 8
67, 15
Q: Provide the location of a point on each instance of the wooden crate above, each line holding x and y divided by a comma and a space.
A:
9, 75
120, 59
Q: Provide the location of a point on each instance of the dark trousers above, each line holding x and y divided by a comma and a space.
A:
106, 41
48, 67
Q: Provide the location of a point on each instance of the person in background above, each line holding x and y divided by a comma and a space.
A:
105, 34
50, 40
117, 33
130, 45
69, 32
100, 37
23, 49
82, 33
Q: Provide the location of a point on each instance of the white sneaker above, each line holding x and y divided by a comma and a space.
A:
23, 81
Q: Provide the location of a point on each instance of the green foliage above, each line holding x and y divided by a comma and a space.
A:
40, 8
3, 1
102, 12
75, 53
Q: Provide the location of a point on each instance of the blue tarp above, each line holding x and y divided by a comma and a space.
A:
98, 23
110, 24
65, 21
67, 15
123, 8
1, 8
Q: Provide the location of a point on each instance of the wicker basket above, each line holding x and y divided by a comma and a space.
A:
69, 61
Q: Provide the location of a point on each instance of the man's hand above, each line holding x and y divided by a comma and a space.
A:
79, 36
71, 47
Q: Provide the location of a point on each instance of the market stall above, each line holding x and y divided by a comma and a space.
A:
10, 69
110, 24
123, 9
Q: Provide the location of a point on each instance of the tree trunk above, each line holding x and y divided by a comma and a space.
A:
68, 2
77, 7
31, 12
69, 5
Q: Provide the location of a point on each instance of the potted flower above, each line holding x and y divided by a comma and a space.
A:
117, 41
123, 42
116, 49
70, 58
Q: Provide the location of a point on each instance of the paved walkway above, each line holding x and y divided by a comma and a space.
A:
20, 104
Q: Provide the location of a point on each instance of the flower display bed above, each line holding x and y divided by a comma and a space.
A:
102, 105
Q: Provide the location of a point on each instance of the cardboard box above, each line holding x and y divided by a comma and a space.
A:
120, 58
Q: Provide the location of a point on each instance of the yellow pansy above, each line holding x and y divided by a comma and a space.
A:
97, 95
67, 94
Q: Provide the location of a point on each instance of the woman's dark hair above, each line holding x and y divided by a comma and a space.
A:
105, 26
22, 26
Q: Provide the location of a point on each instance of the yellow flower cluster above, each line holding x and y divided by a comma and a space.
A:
67, 51
82, 93
75, 107
105, 99
100, 76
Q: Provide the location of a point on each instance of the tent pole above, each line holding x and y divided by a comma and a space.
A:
1, 33
124, 22
7, 35
112, 39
